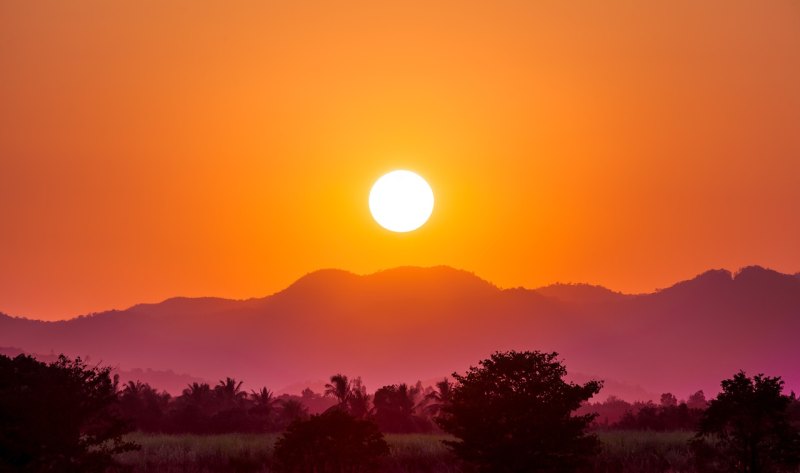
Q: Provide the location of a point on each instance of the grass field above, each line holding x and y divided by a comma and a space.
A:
622, 452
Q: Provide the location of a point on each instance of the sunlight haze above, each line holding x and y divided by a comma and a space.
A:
195, 148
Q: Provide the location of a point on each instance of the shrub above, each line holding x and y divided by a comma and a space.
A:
332, 442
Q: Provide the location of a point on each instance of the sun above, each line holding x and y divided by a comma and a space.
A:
401, 201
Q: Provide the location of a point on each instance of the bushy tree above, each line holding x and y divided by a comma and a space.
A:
697, 401
332, 442
358, 400
515, 414
747, 428
669, 400
58, 417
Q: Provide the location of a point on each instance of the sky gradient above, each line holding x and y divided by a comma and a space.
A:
150, 149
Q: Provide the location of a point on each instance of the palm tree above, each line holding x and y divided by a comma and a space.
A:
406, 398
197, 397
230, 389
263, 406
340, 388
197, 391
264, 399
439, 397
133, 388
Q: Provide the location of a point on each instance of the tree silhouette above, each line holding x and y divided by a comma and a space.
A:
747, 428
231, 411
193, 409
697, 401
439, 397
292, 410
58, 417
395, 409
669, 400
230, 391
263, 407
198, 393
339, 388
332, 442
514, 414
358, 400
143, 406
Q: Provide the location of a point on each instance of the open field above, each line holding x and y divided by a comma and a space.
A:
622, 452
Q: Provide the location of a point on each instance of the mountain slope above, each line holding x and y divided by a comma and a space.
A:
419, 323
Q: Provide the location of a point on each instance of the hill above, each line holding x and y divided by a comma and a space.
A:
411, 323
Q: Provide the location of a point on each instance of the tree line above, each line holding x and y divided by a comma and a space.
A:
669, 414
226, 407
513, 412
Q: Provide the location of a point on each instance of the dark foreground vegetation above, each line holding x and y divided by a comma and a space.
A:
513, 413
619, 452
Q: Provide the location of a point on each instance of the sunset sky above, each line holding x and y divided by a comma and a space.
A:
150, 149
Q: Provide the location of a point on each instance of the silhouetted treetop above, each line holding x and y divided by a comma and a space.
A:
748, 428
58, 417
515, 413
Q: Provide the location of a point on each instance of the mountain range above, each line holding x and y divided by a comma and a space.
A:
411, 323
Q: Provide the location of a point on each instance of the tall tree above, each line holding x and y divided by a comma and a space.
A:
439, 397
230, 391
515, 413
339, 388
263, 409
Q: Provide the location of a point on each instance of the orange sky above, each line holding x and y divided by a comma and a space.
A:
158, 148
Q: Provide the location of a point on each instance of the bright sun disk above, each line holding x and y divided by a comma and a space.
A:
401, 201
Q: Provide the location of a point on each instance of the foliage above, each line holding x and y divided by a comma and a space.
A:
339, 388
514, 413
292, 410
331, 442
395, 409
358, 400
58, 417
664, 418
747, 428
669, 415
436, 399
143, 406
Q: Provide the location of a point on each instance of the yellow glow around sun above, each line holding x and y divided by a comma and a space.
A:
401, 201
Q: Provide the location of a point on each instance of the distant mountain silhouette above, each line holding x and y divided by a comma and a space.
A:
413, 323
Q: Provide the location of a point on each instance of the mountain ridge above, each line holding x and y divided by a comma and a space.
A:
550, 290
421, 323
